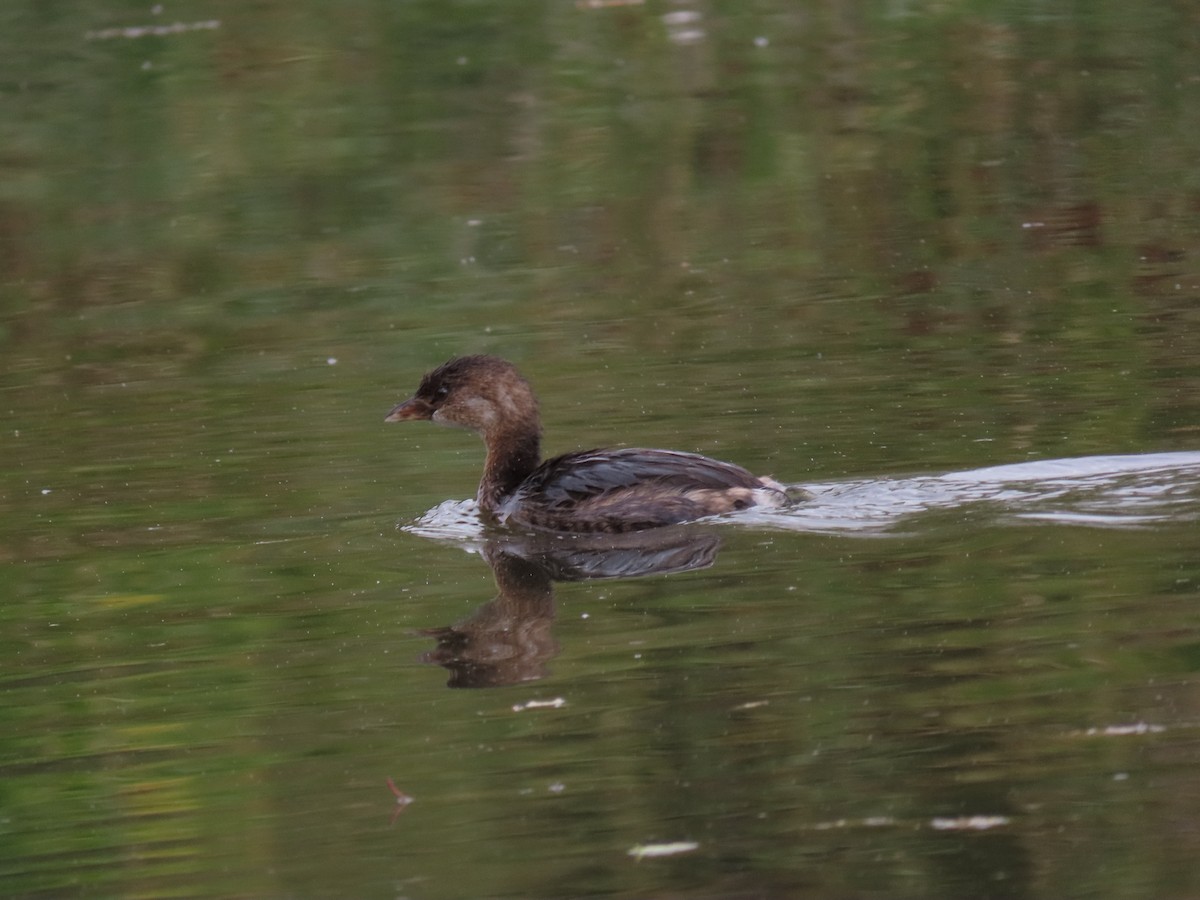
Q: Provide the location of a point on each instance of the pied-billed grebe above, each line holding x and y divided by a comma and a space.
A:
592, 490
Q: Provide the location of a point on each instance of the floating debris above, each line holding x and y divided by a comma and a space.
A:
869, 822
962, 823
138, 31
681, 17
644, 851
968, 823
402, 800
752, 704
1123, 730
556, 703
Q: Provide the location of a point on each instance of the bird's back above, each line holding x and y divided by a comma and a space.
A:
632, 489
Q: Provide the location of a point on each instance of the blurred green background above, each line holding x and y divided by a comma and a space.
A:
824, 240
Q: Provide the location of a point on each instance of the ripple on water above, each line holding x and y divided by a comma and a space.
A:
1098, 491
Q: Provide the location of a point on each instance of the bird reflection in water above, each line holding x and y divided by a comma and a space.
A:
510, 638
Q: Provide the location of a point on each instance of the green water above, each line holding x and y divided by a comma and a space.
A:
858, 248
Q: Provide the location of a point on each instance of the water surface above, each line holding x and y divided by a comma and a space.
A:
938, 265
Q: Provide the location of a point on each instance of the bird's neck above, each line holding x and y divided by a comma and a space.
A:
512, 455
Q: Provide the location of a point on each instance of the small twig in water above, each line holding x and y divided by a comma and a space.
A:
402, 800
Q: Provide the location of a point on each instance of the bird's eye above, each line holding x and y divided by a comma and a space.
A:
441, 393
